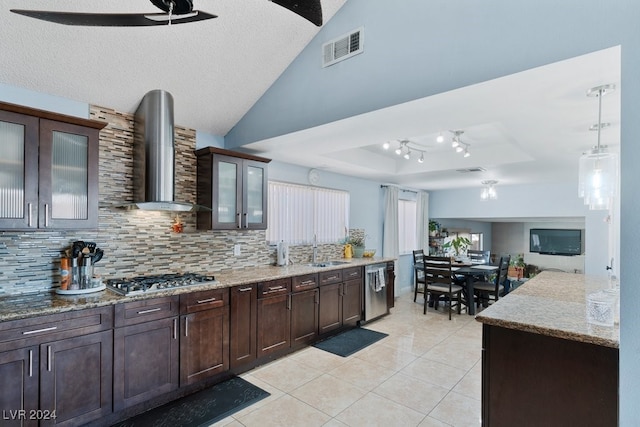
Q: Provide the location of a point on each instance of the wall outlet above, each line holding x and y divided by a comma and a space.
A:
236, 250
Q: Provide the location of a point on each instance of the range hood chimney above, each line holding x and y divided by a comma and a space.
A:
154, 155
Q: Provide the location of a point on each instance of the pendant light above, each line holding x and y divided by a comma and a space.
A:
489, 191
598, 168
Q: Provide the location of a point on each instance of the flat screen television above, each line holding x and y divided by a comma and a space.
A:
555, 241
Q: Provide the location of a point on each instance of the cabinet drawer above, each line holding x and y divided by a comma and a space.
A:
302, 283
352, 273
333, 276
204, 300
132, 313
39, 329
274, 287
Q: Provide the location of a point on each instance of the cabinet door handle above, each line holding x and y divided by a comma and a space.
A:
203, 301
332, 278
353, 274
53, 328
316, 295
175, 329
30, 363
289, 302
186, 326
46, 214
30, 214
244, 289
307, 282
275, 288
239, 220
49, 358
246, 220
151, 310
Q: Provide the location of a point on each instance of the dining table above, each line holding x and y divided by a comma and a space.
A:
469, 271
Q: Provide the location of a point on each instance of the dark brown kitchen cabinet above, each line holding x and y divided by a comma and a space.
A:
76, 379
50, 165
40, 358
274, 316
243, 325
234, 187
19, 370
391, 280
340, 301
305, 300
204, 344
146, 350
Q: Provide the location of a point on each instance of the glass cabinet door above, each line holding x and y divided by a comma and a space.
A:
18, 170
255, 195
68, 175
227, 173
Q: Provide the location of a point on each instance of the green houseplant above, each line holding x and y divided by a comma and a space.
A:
434, 226
459, 245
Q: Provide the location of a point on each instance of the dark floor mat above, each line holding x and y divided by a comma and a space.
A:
347, 343
202, 408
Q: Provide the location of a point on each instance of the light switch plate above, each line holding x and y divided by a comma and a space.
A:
236, 250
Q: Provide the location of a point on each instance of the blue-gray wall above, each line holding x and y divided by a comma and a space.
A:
416, 48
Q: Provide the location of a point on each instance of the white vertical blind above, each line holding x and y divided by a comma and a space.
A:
298, 212
406, 226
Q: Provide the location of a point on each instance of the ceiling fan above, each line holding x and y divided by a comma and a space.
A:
175, 12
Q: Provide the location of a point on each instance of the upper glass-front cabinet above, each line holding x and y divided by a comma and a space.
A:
234, 186
48, 171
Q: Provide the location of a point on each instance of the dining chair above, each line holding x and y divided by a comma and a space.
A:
491, 291
418, 273
439, 283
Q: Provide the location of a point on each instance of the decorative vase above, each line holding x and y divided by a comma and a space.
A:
348, 251
358, 251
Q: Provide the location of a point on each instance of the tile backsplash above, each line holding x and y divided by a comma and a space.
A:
137, 242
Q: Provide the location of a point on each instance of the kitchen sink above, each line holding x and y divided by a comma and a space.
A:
327, 263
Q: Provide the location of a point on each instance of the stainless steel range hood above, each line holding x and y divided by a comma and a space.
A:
154, 155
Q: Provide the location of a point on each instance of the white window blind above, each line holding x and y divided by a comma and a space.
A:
298, 212
406, 226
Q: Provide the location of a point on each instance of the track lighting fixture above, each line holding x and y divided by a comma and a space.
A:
407, 154
440, 138
386, 145
421, 159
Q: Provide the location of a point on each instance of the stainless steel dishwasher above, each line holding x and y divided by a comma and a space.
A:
375, 291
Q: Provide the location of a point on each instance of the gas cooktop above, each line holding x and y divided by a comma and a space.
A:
161, 282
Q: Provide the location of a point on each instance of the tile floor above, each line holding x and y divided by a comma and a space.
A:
427, 372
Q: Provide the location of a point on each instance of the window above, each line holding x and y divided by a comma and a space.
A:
297, 213
406, 226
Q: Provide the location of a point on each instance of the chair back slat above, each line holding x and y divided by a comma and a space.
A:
438, 269
418, 256
503, 270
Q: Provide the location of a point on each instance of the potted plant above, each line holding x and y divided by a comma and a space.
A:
516, 267
434, 226
459, 245
357, 244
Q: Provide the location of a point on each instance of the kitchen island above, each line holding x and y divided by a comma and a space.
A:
543, 363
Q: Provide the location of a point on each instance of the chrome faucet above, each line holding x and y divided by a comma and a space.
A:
315, 249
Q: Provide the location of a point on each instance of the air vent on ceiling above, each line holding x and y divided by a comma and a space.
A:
342, 47
467, 170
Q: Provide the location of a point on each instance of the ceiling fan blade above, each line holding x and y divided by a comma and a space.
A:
311, 10
114, 19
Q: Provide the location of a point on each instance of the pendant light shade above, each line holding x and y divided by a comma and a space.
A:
598, 168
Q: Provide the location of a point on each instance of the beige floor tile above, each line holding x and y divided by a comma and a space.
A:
362, 374
285, 411
334, 423
411, 343
386, 356
434, 372
432, 422
373, 410
418, 395
458, 410
319, 359
328, 394
286, 374
452, 352
471, 384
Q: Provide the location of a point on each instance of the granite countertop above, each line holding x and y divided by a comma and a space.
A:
553, 304
21, 306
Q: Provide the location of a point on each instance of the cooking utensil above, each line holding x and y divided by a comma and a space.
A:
97, 256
